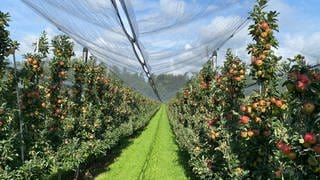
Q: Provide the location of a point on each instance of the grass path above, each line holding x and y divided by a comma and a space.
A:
153, 155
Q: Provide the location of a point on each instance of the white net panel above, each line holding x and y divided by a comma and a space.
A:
160, 42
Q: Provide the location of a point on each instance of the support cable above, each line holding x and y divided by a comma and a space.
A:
135, 44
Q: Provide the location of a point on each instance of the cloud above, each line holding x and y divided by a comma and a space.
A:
308, 46
219, 26
286, 12
26, 43
173, 8
187, 46
99, 5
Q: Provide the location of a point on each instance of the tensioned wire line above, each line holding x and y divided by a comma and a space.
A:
135, 43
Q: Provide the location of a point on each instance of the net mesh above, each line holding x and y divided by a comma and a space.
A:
152, 45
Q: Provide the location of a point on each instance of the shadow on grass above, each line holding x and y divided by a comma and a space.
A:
183, 156
101, 164
183, 161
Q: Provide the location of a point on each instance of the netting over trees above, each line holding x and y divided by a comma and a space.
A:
162, 42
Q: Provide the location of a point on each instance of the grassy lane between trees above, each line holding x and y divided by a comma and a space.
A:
153, 155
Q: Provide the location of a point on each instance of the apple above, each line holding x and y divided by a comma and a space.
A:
278, 103
262, 56
62, 73
268, 46
237, 78
243, 108
213, 135
34, 62
258, 62
30, 60
244, 119
264, 34
266, 132
250, 133
280, 144
264, 25
244, 134
278, 174
60, 101
286, 149
300, 86
210, 122
258, 120
249, 109
303, 78
310, 138
255, 105
262, 102
308, 107
259, 73
316, 148
292, 155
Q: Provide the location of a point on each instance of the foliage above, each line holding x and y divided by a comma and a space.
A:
67, 120
266, 134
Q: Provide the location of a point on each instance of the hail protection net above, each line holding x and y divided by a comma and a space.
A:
154, 46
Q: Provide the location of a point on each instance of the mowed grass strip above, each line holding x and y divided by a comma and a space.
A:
153, 155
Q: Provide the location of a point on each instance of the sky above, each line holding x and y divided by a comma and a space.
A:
299, 22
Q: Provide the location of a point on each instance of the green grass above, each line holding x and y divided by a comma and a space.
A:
153, 155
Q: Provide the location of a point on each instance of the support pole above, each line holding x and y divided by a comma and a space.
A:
21, 123
85, 54
214, 60
37, 46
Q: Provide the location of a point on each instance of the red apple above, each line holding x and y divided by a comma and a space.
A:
300, 86
286, 149
303, 78
278, 103
244, 119
210, 123
310, 138
243, 108
280, 144
264, 25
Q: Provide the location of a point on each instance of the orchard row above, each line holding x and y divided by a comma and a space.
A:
67, 114
272, 132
